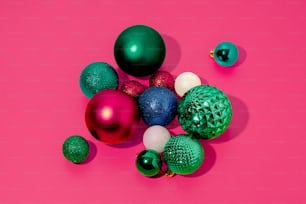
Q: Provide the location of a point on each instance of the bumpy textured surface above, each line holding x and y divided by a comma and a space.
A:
183, 154
96, 77
76, 149
158, 106
205, 112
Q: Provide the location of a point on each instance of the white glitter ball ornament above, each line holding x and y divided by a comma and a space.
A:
185, 81
156, 137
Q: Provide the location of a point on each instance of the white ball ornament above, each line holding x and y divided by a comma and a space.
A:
186, 81
156, 137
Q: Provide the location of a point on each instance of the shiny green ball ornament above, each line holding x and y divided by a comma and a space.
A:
225, 54
139, 50
148, 162
183, 154
96, 77
205, 112
76, 149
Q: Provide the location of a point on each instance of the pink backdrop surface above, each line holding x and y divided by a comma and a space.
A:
44, 45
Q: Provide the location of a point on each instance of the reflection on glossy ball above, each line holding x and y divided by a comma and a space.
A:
112, 116
226, 54
139, 50
204, 112
183, 154
148, 163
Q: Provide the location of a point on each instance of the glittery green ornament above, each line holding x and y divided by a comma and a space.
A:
76, 149
204, 112
183, 154
148, 162
96, 77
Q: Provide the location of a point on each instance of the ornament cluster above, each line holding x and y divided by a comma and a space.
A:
113, 113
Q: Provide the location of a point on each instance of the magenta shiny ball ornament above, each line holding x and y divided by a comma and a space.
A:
162, 78
133, 88
112, 116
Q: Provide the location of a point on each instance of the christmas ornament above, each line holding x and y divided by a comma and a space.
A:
162, 78
156, 137
75, 149
183, 154
204, 112
112, 116
149, 163
139, 50
158, 106
132, 88
225, 54
96, 77
185, 81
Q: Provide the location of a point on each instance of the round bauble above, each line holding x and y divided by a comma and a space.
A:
156, 137
205, 112
76, 149
186, 81
139, 50
162, 78
148, 163
183, 154
96, 77
158, 106
112, 116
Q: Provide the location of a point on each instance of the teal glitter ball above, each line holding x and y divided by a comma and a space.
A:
205, 112
96, 77
75, 149
148, 162
183, 154
226, 54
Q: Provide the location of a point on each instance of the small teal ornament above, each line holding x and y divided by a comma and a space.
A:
75, 149
205, 112
183, 154
96, 77
225, 54
148, 162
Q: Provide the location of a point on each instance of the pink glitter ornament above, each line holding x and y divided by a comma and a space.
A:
162, 78
133, 88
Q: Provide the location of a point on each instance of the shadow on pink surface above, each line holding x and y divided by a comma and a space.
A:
173, 53
209, 160
92, 152
239, 121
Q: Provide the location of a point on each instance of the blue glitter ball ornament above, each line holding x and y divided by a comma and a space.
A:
96, 77
158, 106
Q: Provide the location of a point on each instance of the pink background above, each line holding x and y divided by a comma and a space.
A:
44, 45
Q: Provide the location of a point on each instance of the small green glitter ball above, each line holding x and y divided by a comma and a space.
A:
183, 154
148, 162
76, 149
96, 77
205, 112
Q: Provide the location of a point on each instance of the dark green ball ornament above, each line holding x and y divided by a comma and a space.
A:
76, 149
139, 50
183, 154
205, 112
96, 77
149, 162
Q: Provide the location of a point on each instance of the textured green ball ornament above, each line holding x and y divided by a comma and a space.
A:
149, 162
139, 50
76, 149
96, 77
225, 54
205, 112
183, 154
